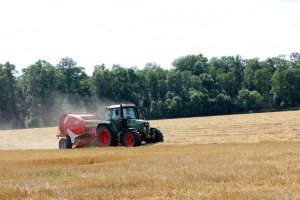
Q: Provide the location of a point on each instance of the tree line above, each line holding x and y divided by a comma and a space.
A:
195, 86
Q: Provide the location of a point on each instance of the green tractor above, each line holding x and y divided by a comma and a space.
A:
123, 125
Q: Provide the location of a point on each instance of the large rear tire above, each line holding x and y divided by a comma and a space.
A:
65, 143
105, 136
131, 139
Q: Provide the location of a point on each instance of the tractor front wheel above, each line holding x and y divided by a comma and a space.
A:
131, 139
159, 137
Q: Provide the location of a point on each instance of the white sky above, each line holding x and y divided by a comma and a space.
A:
135, 32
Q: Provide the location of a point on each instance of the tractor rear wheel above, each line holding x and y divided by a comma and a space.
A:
65, 143
105, 136
131, 139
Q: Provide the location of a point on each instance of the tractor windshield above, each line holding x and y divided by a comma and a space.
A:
115, 114
129, 113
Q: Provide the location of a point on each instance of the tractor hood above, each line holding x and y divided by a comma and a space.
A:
141, 125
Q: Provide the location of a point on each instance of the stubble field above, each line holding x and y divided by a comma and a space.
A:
253, 156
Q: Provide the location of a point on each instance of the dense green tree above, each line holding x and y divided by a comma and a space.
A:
295, 60
207, 82
102, 82
9, 113
229, 72
179, 83
251, 66
174, 105
72, 84
197, 64
156, 109
198, 103
155, 78
262, 81
249, 100
278, 63
226, 83
121, 84
40, 88
286, 88
221, 104
69, 76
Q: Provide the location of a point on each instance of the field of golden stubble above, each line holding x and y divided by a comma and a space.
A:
253, 156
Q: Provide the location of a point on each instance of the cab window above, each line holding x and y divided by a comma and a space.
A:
108, 114
113, 114
116, 115
129, 113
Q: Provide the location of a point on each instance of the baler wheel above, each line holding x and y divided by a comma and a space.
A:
65, 143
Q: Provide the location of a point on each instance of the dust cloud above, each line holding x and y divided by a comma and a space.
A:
76, 105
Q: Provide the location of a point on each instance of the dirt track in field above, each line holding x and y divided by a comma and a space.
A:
246, 128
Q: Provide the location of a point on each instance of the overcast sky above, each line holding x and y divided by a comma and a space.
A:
135, 32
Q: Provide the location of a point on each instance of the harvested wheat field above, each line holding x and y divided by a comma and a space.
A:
253, 156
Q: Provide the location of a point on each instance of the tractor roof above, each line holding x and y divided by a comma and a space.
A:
119, 105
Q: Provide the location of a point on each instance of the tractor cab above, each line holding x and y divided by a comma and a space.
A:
124, 116
123, 111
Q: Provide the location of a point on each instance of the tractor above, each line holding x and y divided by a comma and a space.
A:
121, 126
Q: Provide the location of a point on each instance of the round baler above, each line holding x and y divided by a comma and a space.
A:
77, 130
